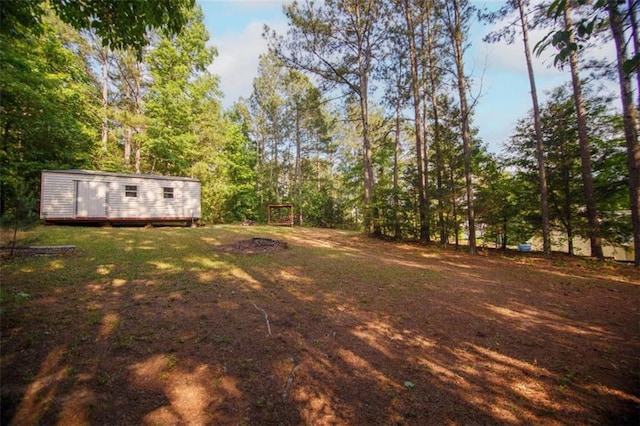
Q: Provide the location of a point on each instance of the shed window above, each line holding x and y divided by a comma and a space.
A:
167, 192
130, 191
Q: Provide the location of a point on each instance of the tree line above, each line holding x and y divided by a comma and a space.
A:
415, 50
362, 115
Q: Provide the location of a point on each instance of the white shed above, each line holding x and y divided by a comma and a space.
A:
93, 196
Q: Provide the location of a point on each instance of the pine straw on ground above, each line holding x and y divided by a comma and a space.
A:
177, 326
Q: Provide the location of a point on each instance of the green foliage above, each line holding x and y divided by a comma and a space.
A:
560, 38
293, 145
450, 193
225, 166
48, 116
21, 213
240, 158
182, 90
163, 115
320, 207
632, 65
338, 42
119, 23
17, 17
562, 157
592, 21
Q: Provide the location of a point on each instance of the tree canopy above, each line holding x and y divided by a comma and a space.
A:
119, 23
361, 115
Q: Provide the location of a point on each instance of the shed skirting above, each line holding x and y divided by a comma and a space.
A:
121, 219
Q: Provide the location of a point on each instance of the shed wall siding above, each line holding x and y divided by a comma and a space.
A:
150, 201
58, 197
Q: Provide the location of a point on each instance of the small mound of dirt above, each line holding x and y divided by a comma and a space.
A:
253, 245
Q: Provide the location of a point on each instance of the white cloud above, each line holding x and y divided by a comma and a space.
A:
237, 61
510, 57
506, 91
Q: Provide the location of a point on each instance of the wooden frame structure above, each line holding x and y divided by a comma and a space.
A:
277, 214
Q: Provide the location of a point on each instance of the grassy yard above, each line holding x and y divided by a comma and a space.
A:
175, 326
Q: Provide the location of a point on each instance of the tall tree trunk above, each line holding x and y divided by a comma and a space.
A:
437, 143
137, 156
137, 148
436, 123
127, 133
585, 150
275, 173
456, 35
425, 171
630, 121
317, 149
425, 126
566, 199
454, 207
419, 125
298, 166
105, 97
396, 172
371, 219
371, 222
544, 199
370, 214
505, 222
4, 146
636, 42
128, 137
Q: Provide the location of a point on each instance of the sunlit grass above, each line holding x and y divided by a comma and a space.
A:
169, 259
130, 253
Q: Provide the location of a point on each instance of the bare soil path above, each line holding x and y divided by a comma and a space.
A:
175, 326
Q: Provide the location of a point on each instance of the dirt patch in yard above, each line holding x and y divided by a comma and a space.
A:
253, 246
152, 326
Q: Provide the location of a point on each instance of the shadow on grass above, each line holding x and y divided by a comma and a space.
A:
153, 326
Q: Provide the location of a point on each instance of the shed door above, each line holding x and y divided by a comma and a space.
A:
91, 200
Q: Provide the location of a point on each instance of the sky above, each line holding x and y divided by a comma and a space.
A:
499, 70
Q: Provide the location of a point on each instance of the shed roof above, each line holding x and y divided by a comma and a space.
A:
124, 175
